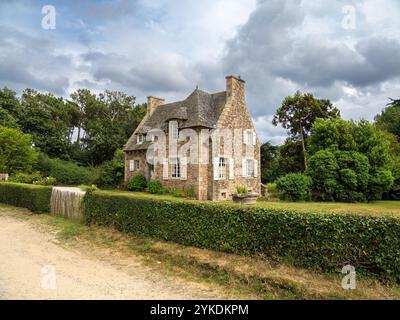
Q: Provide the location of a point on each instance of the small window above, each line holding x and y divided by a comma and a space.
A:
140, 139
250, 167
249, 136
175, 168
173, 130
137, 164
222, 168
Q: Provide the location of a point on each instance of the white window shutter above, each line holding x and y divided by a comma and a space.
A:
231, 169
216, 168
245, 137
244, 168
165, 169
255, 168
131, 165
183, 163
254, 138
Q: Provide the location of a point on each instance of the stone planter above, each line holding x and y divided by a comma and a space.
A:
245, 198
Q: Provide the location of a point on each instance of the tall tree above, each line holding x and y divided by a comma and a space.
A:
389, 119
298, 113
269, 162
48, 120
105, 123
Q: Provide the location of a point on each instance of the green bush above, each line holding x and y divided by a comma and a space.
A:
111, 173
33, 197
137, 183
66, 172
182, 193
241, 190
155, 187
46, 181
294, 186
25, 177
318, 241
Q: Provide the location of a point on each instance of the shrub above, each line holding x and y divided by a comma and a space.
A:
16, 151
111, 173
155, 187
294, 186
273, 192
47, 181
25, 177
318, 241
241, 190
33, 197
137, 183
66, 172
182, 193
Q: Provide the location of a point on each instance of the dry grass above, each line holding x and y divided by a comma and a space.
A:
235, 276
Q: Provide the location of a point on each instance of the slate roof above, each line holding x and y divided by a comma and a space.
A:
199, 109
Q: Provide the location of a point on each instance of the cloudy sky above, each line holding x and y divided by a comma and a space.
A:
344, 50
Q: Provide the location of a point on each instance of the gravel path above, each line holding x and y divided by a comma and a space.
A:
34, 266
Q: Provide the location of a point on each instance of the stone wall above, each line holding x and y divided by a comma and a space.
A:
143, 167
236, 116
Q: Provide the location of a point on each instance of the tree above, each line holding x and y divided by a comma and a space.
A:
298, 113
389, 119
16, 151
104, 124
269, 162
350, 161
7, 120
49, 120
10, 103
290, 158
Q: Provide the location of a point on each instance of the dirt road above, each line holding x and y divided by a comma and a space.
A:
34, 266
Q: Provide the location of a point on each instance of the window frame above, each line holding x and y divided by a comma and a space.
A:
136, 164
176, 170
174, 130
222, 168
250, 168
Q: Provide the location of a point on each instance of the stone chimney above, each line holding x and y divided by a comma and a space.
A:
153, 103
235, 88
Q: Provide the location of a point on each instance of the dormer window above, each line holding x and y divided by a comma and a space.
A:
173, 130
140, 139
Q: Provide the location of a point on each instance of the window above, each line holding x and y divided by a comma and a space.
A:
222, 168
175, 168
136, 164
249, 167
131, 165
173, 130
140, 139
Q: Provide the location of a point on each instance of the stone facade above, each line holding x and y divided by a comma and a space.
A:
230, 112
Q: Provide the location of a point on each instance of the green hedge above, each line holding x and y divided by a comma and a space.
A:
318, 241
33, 197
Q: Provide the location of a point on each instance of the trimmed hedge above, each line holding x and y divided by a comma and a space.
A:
317, 241
33, 197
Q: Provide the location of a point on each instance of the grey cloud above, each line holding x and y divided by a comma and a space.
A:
27, 61
278, 55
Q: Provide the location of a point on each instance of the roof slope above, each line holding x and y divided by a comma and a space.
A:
199, 109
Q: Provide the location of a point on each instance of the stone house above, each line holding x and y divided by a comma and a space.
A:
218, 164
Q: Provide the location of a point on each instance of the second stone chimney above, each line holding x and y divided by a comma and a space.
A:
153, 103
235, 88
